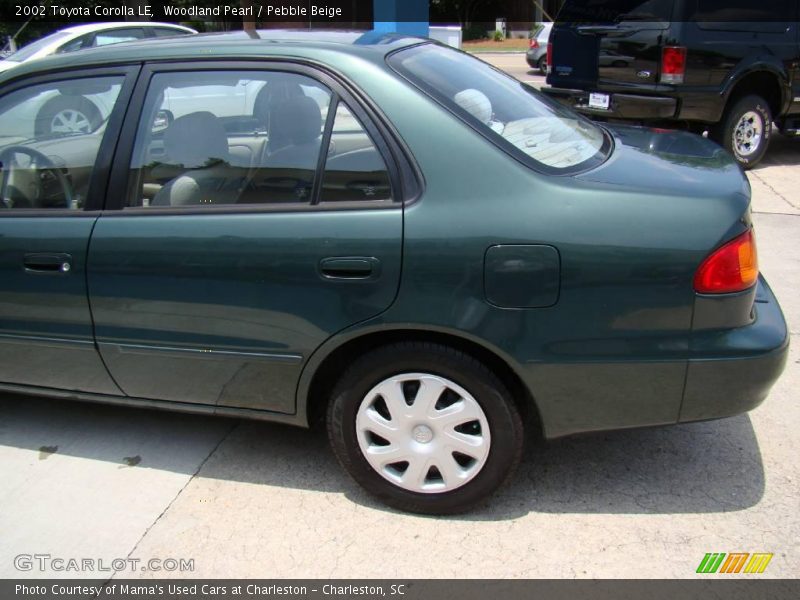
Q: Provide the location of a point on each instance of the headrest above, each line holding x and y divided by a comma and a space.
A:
273, 93
475, 103
298, 121
196, 139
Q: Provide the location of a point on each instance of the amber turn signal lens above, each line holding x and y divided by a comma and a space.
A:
731, 268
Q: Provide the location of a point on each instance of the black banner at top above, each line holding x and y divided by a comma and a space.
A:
225, 11
344, 12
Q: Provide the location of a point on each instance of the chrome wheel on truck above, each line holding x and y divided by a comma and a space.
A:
745, 130
748, 133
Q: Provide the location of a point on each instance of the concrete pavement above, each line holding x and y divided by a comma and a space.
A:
259, 500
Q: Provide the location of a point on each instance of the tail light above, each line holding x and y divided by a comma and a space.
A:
732, 267
673, 64
549, 57
534, 43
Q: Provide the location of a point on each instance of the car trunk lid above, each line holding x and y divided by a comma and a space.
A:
659, 159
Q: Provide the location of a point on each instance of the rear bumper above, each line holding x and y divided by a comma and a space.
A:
735, 369
623, 106
533, 56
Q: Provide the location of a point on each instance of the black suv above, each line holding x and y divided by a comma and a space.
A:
731, 67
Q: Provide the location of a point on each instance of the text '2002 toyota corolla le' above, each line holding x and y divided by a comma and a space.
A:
379, 233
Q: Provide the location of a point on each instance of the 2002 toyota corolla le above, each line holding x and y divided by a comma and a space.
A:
377, 232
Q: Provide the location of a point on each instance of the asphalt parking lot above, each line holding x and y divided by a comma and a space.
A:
248, 499
514, 64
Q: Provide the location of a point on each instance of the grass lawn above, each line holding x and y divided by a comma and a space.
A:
513, 45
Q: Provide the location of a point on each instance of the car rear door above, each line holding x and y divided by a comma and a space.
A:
608, 46
240, 243
52, 189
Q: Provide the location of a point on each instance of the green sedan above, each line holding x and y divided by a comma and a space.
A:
379, 234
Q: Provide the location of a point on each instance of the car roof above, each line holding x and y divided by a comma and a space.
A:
91, 27
231, 45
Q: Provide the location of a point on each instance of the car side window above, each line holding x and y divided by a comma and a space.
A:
228, 138
50, 135
74, 45
765, 16
167, 32
354, 168
115, 36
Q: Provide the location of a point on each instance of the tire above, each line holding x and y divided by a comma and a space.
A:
745, 130
495, 433
542, 65
67, 114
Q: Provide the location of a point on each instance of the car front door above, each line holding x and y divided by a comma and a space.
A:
51, 190
241, 241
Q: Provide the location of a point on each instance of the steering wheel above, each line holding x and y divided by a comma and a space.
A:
43, 165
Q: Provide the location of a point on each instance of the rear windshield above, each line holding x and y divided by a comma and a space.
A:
27, 51
545, 135
616, 11
544, 32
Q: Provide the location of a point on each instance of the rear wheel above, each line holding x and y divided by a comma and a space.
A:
745, 130
67, 115
543, 65
425, 428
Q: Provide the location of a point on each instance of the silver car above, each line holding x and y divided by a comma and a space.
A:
537, 51
91, 35
61, 113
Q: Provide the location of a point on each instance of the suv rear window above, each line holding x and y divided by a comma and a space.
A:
540, 132
616, 11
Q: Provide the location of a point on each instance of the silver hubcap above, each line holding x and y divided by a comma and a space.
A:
748, 133
423, 432
70, 121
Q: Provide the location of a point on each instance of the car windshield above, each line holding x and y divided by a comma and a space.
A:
535, 129
26, 52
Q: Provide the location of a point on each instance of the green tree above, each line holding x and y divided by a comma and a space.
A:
463, 10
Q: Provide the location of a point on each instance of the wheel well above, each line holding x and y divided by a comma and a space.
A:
761, 83
337, 362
